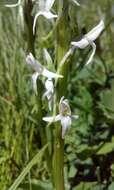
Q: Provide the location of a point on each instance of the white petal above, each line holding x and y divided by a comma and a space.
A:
34, 80
50, 104
50, 100
50, 74
52, 118
47, 94
66, 123
46, 14
95, 32
30, 58
35, 19
34, 64
81, 44
45, 5
62, 98
93, 53
14, 5
49, 4
90, 36
49, 90
49, 85
76, 2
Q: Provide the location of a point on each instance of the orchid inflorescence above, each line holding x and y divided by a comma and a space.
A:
64, 116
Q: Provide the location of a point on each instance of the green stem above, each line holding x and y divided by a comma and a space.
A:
58, 160
29, 24
62, 46
41, 124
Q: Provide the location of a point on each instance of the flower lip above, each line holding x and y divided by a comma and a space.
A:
66, 124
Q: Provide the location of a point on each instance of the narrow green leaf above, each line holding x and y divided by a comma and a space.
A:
106, 147
35, 160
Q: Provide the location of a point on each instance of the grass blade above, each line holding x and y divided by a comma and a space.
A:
35, 160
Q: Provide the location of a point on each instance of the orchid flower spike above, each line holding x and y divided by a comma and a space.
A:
64, 116
44, 10
49, 92
14, 5
39, 70
89, 38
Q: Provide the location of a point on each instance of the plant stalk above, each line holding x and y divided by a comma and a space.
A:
62, 45
29, 23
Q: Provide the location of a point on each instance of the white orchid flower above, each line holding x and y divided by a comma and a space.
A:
49, 92
89, 38
39, 70
14, 5
64, 116
44, 10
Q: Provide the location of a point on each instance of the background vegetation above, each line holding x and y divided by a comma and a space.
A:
89, 144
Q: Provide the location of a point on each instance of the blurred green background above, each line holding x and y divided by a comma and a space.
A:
89, 144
